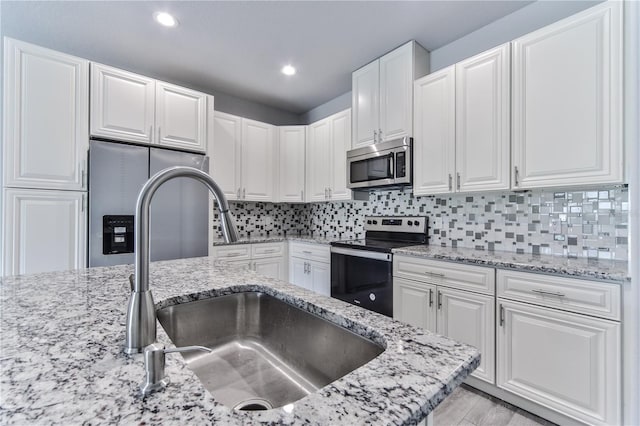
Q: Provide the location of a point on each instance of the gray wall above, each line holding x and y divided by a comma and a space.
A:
255, 111
519, 23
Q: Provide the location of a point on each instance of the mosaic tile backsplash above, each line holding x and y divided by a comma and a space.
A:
585, 224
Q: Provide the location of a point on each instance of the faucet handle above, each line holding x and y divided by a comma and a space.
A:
154, 360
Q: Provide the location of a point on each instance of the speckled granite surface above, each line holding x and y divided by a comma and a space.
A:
61, 359
303, 238
606, 270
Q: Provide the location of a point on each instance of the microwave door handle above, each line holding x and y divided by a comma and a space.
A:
391, 160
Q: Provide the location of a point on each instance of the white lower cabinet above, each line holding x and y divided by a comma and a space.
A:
268, 259
566, 361
310, 266
44, 231
434, 297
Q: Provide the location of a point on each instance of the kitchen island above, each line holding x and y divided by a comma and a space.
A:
61, 358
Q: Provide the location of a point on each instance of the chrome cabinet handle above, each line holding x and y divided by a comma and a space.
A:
450, 182
302, 195
307, 252
430, 297
516, 176
244, 193
232, 254
330, 193
375, 137
550, 293
238, 193
379, 135
150, 133
501, 315
434, 274
439, 300
83, 173
159, 137
154, 361
458, 180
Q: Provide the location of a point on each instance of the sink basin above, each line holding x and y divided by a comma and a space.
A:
266, 353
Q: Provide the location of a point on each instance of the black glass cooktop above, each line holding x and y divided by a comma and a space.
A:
384, 246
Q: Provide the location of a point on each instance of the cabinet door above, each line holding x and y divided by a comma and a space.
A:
43, 231
181, 117
318, 161
122, 105
414, 303
258, 161
226, 154
396, 93
292, 167
46, 111
320, 277
273, 267
434, 146
564, 361
365, 104
470, 318
340, 141
567, 101
298, 273
483, 121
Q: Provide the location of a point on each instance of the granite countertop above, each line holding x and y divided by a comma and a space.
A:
603, 270
302, 238
61, 359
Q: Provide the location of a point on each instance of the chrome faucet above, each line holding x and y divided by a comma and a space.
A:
141, 313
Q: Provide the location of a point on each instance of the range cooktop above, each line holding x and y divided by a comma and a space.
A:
384, 233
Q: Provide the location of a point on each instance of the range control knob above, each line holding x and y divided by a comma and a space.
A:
372, 297
416, 223
369, 222
409, 223
375, 222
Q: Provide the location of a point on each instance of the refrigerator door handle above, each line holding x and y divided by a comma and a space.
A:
205, 164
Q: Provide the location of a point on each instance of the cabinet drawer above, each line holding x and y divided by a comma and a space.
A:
570, 294
263, 250
235, 252
310, 251
464, 277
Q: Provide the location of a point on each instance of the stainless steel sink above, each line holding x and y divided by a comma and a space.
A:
266, 353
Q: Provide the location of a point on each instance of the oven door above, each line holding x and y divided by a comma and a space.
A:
363, 278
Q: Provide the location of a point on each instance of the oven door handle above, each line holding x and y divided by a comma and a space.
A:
386, 257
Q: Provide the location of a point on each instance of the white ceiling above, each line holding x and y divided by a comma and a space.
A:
238, 47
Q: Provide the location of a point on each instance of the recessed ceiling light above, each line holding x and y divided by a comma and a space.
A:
165, 19
288, 70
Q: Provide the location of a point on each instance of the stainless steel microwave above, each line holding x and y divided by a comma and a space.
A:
381, 164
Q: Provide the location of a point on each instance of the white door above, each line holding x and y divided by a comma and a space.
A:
320, 277
258, 161
396, 93
483, 116
273, 267
299, 273
46, 103
181, 117
122, 105
318, 161
567, 101
292, 167
470, 318
414, 303
434, 148
226, 154
341, 142
44, 231
564, 361
365, 103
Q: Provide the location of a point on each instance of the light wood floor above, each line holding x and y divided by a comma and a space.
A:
467, 406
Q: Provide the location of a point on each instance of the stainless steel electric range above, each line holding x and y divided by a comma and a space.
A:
361, 270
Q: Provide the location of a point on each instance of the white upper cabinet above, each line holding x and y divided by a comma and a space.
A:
46, 101
382, 95
181, 117
244, 158
326, 165
134, 108
226, 154
483, 137
122, 105
258, 161
567, 101
44, 230
462, 139
292, 168
434, 145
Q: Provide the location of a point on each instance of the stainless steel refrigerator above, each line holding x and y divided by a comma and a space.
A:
179, 210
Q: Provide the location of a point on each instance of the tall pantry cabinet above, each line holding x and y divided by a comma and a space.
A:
44, 159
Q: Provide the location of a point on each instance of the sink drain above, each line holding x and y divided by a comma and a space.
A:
255, 404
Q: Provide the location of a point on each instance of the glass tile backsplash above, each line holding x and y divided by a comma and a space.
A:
585, 224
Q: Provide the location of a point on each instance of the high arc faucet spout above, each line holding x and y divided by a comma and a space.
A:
141, 316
